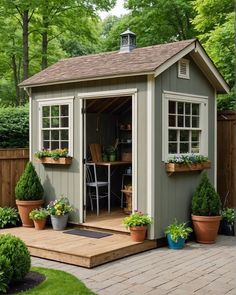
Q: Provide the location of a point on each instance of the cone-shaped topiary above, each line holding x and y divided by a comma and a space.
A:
206, 201
29, 186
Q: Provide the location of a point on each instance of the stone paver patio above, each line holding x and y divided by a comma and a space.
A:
198, 269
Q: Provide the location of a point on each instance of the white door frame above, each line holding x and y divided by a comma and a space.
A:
109, 95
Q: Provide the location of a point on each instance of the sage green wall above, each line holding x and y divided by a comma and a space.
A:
65, 180
173, 193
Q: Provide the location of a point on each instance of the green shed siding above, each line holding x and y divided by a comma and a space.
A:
173, 193
65, 180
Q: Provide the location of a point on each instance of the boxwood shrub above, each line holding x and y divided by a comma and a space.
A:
6, 270
16, 251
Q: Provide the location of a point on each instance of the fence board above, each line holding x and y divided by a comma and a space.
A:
12, 164
226, 157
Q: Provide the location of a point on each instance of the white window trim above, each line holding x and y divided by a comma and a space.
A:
184, 97
180, 75
57, 101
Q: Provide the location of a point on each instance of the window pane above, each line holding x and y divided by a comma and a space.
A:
172, 135
46, 134
46, 144
184, 147
187, 121
172, 148
64, 110
195, 109
180, 107
64, 122
187, 108
54, 111
55, 145
54, 122
172, 107
46, 123
64, 135
55, 135
184, 135
180, 121
195, 147
64, 145
195, 122
195, 135
46, 111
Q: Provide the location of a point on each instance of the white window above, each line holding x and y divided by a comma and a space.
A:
56, 124
183, 68
184, 124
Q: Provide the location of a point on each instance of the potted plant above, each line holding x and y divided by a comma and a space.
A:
29, 194
206, 216
111, 153
56, 157
39, 217
176, 234
59, 212
137, 222
227, 222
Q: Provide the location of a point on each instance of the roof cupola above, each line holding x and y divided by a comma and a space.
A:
127, 41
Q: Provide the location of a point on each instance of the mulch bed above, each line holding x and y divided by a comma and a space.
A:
31, 280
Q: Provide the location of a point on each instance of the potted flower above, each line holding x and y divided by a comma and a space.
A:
227, 222
39, 217
176, 234
59, 212
206, 216
29, 194
111, 153
57, 156
137, 222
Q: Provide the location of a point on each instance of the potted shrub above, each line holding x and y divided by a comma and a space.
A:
206, 216
56, 157
137, 223
39, 217
29, 194
227, 222
176, 234
59, 212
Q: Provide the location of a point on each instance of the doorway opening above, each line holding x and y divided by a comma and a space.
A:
108, 167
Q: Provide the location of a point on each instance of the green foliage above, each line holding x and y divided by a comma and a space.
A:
227, 102
3, 285
206, 201
228, 214
60, 207
16, 251
137, 219
8, 217
6, 270
178, 230
29, 186
188, 159
55, 154
14, 127
39, 214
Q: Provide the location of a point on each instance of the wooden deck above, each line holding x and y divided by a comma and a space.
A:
78, 250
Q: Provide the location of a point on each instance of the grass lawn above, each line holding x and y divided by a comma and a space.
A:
58, 282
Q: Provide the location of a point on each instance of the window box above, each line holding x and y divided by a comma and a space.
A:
173, 167
55, 161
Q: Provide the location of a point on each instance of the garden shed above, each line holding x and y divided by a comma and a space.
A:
142, 104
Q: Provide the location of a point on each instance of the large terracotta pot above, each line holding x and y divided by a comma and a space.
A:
138, 233
25, 207
40, 223
206, 228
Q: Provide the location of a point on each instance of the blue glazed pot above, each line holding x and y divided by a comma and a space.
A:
175, 245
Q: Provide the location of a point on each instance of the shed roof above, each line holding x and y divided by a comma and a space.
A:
145, 60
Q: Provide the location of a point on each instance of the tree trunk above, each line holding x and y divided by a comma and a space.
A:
16, 81
25, 22
45, 23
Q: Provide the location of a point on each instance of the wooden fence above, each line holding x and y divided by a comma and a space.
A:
12, 164
226, 157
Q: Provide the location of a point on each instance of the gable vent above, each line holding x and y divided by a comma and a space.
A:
183, 68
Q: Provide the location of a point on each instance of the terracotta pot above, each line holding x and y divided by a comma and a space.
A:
138, 233
40, 223
206, 228
25, 207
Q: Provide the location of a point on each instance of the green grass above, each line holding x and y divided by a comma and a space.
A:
58, 282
